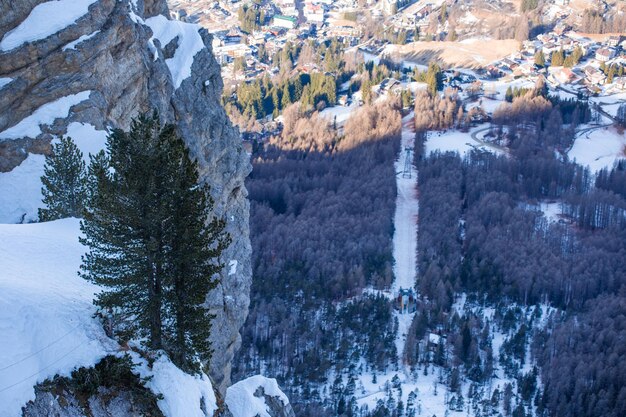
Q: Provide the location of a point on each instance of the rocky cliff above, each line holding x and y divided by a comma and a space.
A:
80, 67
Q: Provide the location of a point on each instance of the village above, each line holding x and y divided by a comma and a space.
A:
248, 36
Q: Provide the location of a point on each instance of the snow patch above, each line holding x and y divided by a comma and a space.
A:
242, 402
20, 195
72, 45
340, 114
44, 20
233, 267
87, 138
44, 115
5, 81
182, 393
189, 44
598, 149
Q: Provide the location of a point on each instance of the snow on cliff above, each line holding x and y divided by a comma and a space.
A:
242, 401
44, 20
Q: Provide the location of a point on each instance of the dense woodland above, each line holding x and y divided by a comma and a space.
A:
551, 290
322, 210
482, 234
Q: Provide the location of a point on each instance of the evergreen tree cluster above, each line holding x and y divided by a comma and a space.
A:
154, 247
433, 76
251, 17
481, 234
262, 97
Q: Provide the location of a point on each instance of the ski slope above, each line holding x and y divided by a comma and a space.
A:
405, 218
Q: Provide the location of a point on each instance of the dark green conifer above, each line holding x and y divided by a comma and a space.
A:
64, 182
153, 244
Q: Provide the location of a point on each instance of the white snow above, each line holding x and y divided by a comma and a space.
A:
5, 81
242, 402
44, 20
182, 393
87, 138
72, 45
599, 149
551, 210
451, 141
340, 113
405, 218
20, 192
232, 267
47, 324
46, 309
44, 115
189, 44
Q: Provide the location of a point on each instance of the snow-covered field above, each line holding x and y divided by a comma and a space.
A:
340, 114
45, 310
455, 141
599, 148
47, 327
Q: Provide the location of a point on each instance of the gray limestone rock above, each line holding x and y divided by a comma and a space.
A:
118, 66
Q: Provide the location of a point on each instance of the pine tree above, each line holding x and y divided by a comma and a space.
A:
540, 59
151, 244
557, 58
196, 243
64, 182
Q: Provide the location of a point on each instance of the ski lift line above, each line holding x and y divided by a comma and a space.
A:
40, 371
40, 350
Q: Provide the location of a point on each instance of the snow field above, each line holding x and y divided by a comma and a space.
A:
45, 310
20, 191
599, 148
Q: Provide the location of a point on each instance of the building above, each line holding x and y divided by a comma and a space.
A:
614, 41
287, 22
564, 75
314, 12
604, 54
594, 75
405, 301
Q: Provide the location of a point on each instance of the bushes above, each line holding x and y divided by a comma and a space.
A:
112, 372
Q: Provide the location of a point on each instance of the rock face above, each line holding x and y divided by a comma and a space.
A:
106, 403
114, 62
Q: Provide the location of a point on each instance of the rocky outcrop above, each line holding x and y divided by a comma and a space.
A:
257, 396
112, 63
106, 403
